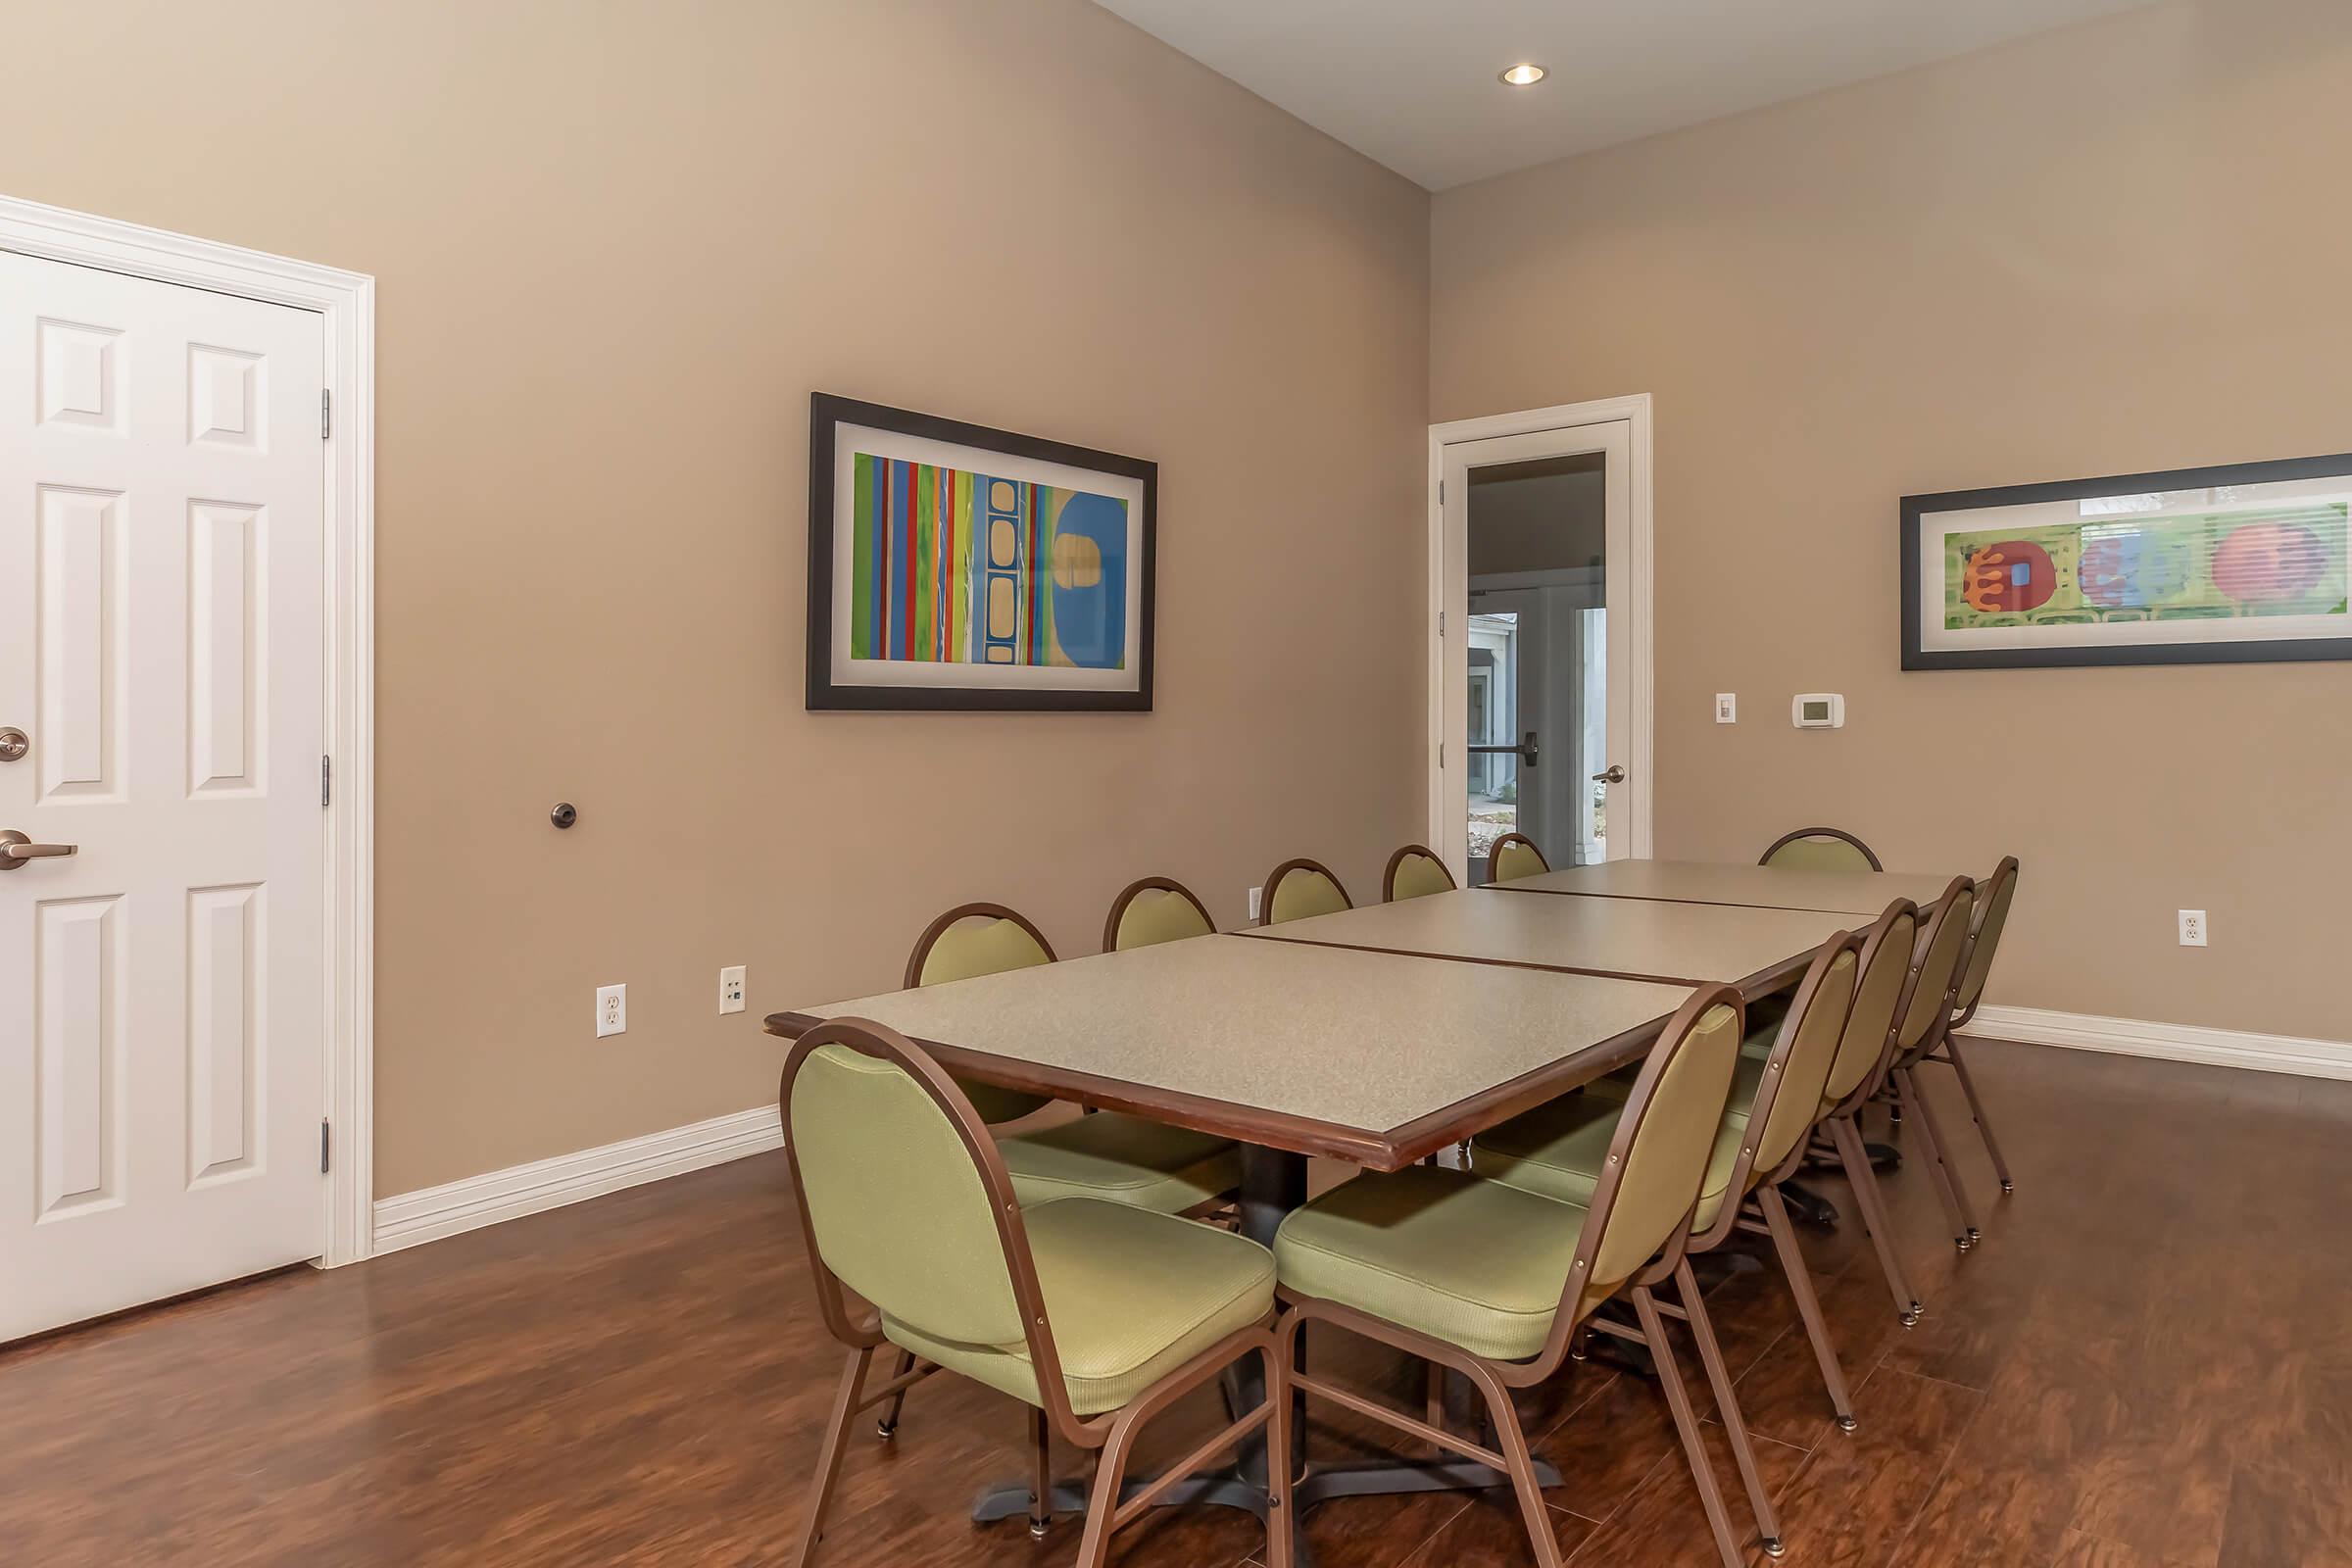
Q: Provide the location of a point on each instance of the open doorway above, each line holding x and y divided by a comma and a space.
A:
1539, 670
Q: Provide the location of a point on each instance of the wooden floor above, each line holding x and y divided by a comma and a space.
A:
2147, 1364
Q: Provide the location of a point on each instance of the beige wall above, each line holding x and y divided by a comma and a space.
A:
618, 246
2116, 248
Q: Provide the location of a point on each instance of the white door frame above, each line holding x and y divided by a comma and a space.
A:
346, 303
1641, 572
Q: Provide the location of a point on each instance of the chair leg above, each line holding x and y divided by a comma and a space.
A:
828, 1454
887, 1427
1975, 1111
1041, 1486
1726, 1407
1282, 1533
1865, 1181
1694, 1447
1808, 1305
1101, 1509
1947, 1180
1502, 1419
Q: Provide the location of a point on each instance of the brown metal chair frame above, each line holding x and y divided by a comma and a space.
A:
1947, 1052
1494, 850
1112, 1435
1149, 884
1753, 1203
1493, 1379
1265, 898
1387, 876
1838, 833
966, 912
1844, 1122
1901, 1090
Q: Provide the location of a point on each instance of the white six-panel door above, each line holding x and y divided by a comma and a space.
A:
162, 990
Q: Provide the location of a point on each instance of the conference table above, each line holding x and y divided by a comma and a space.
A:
1376, 1037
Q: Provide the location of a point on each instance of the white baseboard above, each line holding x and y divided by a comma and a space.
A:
2173, 1042
414, 1218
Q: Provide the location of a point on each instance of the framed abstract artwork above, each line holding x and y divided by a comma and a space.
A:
2244, 562
955, 566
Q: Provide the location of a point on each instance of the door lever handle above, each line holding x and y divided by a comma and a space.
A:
16, 849
1615, 775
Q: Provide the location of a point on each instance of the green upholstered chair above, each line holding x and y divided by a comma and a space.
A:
1128, 1159
1937, 958
1820, 849
1561, 1150
1491, 1280
1153, 911
1297, 890
1095, 1315
1513, 856
1993, 896
1414, 872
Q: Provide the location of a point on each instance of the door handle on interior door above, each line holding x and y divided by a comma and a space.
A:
1615, 775
16, 849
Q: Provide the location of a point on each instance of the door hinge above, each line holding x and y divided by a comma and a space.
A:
326, 414
1441, 624
1441, 492
1440, 756
327, 780
325, 1145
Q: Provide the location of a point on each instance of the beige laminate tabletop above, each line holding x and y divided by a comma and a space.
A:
1762, 886
1758, 949
1370, 1057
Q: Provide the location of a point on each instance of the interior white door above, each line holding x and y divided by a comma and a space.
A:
161, 989
1619, 796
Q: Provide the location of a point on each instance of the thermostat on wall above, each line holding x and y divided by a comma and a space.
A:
1818, 710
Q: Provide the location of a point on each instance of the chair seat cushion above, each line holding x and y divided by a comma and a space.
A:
1472, 1262
1127, 1159
1130, 1296
1559, 1149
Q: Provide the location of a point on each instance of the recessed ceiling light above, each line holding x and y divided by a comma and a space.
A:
1524, 75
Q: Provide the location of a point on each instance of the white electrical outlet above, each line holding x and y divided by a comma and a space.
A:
730, 989
1727, 707
612, 1011
1256, 896
2192, 928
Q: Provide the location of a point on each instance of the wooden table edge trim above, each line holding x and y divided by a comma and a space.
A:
1389, 1150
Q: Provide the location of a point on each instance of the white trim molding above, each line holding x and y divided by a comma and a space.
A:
2170, 1042
430, 1215
346, 303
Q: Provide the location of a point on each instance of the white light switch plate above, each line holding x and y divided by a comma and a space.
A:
1727, 707
1255, 896
730, 989
612, 1011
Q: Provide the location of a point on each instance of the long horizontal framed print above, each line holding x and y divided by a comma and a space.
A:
2244, 562
955, 566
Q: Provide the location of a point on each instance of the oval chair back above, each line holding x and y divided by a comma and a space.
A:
1658, 1158
1297, 890
1787, 1098
1513, 856
892, 1165
1414, 872
972, 940
1820, 849
1935, 972
1153, 911
1885, 964
1992, 913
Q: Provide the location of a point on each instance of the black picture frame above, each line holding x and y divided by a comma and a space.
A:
826, 414
2284, 649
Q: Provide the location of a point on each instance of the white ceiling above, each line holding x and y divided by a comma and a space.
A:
1411, 82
